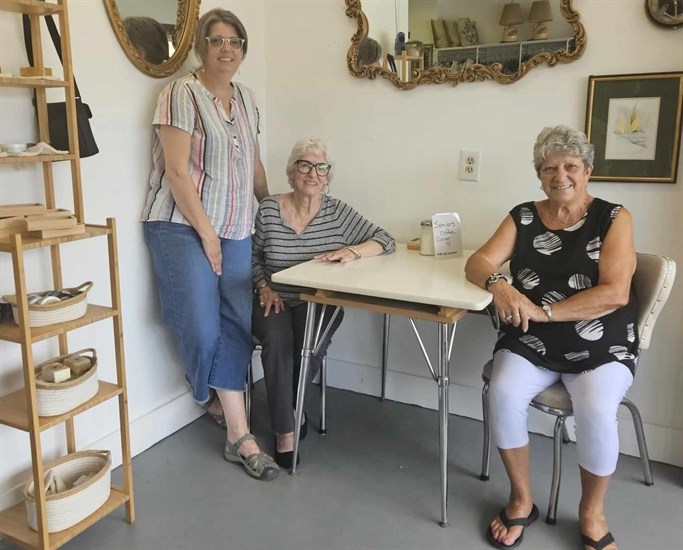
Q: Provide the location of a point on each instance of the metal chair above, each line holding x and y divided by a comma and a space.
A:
323, 393
652, 282
323, 378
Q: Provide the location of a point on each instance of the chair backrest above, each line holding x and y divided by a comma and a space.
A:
652, 283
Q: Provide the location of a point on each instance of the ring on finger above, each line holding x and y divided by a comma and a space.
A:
508, 318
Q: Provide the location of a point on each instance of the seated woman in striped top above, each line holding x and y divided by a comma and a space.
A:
293, 228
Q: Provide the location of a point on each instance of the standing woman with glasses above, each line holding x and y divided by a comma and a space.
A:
198, 221
296, 227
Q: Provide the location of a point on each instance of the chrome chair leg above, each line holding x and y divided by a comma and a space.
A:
565, 434
642, 444
323, 397
551, 518
486, 454
247, 393
385, 354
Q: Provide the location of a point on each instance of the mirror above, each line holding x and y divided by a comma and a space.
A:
453, 41
665, 13
156, 36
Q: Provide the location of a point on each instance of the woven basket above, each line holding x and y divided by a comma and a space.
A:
58, 398
67, 508
40, 315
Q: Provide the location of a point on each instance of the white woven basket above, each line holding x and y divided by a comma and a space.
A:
40, 315
67, 508
58, 398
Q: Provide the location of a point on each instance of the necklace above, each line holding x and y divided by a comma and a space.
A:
571, 218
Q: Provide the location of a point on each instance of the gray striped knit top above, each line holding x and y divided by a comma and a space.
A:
276, 246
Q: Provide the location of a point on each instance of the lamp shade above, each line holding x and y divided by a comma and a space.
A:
540, 12
512, 14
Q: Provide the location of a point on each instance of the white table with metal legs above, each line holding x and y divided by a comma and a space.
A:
406, 284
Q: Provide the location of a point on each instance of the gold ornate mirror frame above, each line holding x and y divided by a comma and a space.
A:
183, 34
470, 73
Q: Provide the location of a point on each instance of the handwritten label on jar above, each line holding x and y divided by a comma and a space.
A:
447, 235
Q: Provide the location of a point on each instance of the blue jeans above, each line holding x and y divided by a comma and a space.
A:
210, 316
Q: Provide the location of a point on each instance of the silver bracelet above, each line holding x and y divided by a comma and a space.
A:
355, 252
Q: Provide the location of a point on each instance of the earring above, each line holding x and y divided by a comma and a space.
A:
326, 189
291, 182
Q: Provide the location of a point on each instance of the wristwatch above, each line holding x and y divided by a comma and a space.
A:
549, 312
494, 278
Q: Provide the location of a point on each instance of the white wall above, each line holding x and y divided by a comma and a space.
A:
397, 154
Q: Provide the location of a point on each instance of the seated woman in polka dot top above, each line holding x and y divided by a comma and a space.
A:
568, 314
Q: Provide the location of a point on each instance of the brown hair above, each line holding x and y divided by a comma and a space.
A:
149, 38
210, 18
369, 52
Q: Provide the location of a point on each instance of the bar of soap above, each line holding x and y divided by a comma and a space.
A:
78, 364
56, 372
35, 71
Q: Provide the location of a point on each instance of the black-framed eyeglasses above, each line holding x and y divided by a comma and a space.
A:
218, 42
305, 167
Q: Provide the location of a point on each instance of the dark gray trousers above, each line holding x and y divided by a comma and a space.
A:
282, 337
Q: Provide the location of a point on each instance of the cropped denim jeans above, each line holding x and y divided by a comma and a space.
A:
209, 315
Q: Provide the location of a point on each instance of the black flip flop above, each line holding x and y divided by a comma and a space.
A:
597, 544
524, 522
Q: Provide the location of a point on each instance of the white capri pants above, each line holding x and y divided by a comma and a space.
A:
595, 399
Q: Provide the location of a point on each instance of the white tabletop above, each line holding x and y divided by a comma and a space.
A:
404, 275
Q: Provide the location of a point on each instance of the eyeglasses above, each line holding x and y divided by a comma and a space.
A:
305, 167
219, 42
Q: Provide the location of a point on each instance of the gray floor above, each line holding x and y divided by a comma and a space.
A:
372, 482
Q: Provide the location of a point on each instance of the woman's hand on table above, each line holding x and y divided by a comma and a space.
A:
269, 299
343, 255
514, 308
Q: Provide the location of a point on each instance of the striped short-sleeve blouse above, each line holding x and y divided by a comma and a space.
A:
222, 156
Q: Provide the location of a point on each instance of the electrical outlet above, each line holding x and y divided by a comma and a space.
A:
469, 165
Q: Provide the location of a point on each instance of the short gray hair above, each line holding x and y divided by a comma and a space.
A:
565, 139
210, 18
309, 145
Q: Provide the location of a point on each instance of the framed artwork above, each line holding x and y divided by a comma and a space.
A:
634, 122
665, 13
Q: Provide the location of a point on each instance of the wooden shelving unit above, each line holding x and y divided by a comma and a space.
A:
18, 409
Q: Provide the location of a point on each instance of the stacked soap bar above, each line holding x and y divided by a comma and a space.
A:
35, 71
78, 364
56, 373
68, 369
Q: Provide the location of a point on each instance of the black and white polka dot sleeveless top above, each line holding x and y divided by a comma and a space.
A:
552, 265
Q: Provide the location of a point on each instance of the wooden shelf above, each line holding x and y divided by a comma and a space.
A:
36, 158
14, 413
19, 408
14, 528
11, 332
24, 82
34, 7
34, 242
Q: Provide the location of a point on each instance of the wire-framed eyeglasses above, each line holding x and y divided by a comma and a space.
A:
218, 42
305, 167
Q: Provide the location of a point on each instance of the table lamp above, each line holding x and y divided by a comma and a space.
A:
509, 19
539, 14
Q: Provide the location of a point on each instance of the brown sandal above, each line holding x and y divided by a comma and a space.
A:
257, 465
